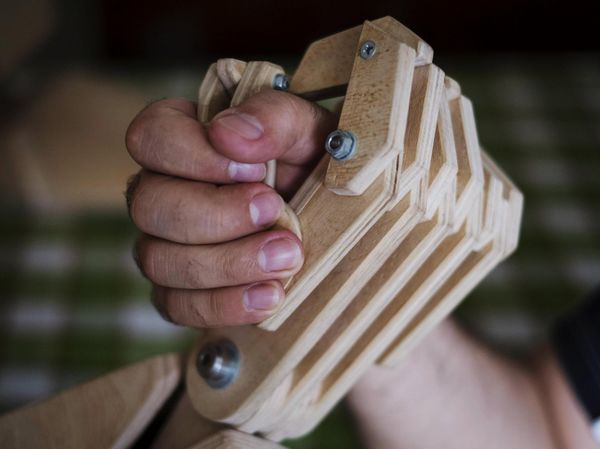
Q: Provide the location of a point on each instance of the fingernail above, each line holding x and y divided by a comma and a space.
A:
261, 297
278, 255
244, 125
265, 208
239, 171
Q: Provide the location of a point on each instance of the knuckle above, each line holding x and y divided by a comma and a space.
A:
215, 314
227, 266
179, 218
196, 312
195, 273
181, 309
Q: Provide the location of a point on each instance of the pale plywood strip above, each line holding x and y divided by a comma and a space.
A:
310, 186
327, 63
212, 95
425, 97
376, 101
234, 439
453, 90
109, 412
184, 427
515, 199
470, 172
229, 72
443, 161
424, 52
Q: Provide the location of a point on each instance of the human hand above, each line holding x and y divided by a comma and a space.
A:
203, 212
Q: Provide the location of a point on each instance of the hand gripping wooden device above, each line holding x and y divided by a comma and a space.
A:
400, 221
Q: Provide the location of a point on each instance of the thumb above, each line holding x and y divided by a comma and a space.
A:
272, 125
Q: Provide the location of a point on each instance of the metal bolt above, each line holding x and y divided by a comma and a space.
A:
368, 50
281, 82
218, 363
341, 145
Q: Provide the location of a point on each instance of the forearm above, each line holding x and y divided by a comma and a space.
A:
452, 392
572, 429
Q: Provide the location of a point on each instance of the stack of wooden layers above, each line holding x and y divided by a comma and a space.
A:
394, 238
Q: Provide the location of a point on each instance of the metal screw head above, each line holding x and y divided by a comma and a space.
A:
281, 82
341, 145
218, 363
368, 50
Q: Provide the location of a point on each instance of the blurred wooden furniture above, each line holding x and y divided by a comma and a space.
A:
65, 151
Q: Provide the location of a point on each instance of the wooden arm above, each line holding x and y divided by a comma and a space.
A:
395, 236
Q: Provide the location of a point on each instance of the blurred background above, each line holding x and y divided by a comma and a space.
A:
74, 73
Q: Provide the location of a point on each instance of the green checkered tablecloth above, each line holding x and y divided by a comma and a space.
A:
74, 306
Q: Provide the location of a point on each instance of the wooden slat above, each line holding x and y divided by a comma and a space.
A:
376, 102
184, 427
327, 63
109, 412
233, 439
229, 72
212, 95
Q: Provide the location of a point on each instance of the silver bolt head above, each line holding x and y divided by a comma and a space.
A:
218, 363
341, 145
368, 50
281, 82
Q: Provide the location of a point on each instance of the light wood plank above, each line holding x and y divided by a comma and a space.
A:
376, 101
233, 439
109, 412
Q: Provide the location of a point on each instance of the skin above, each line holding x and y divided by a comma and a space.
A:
206, 246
